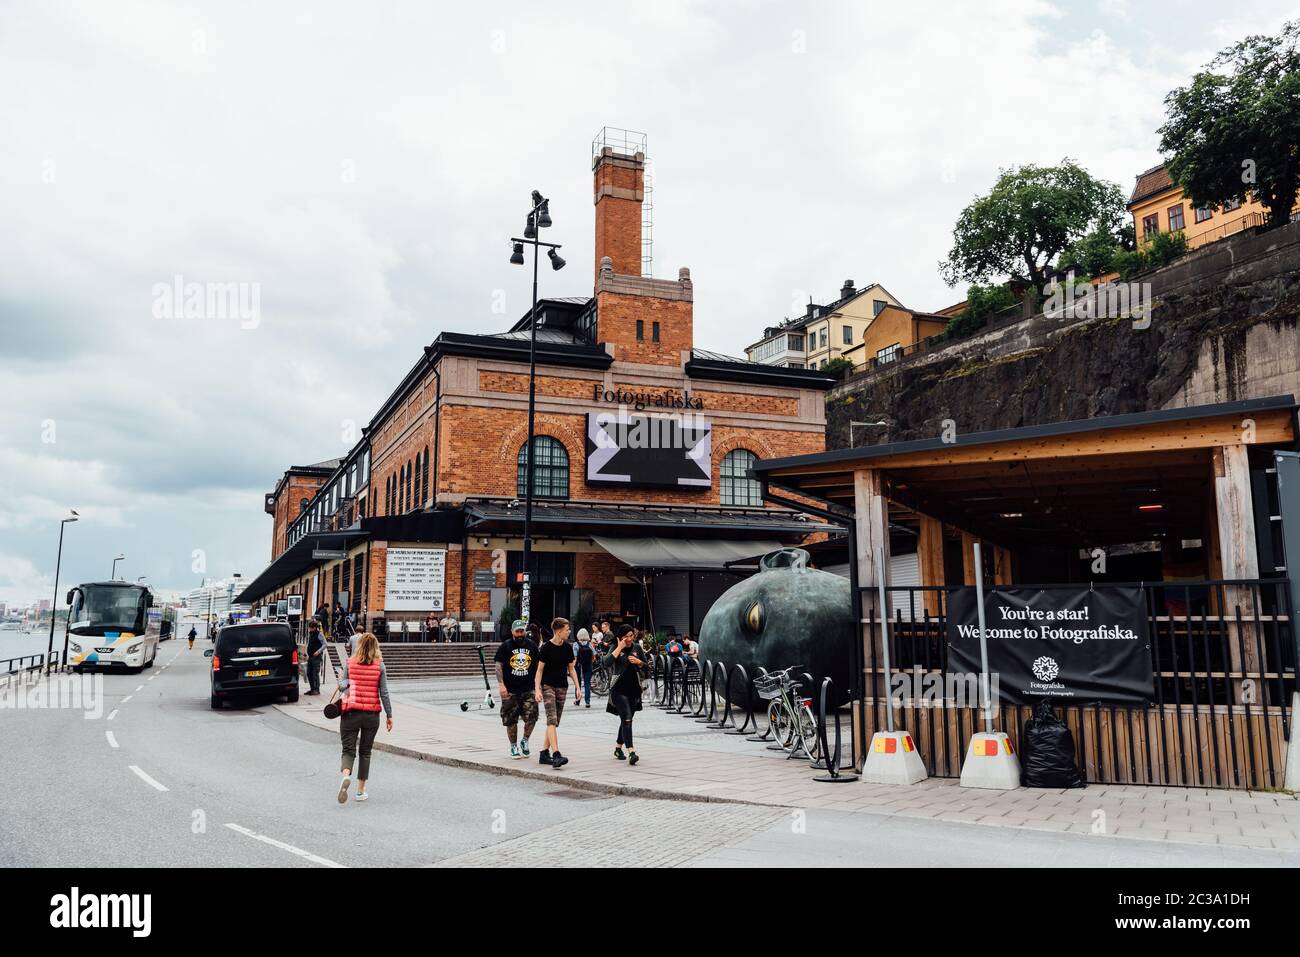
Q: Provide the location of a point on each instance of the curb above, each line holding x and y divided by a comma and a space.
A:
577, 784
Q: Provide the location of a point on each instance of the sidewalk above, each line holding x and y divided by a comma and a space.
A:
682, 760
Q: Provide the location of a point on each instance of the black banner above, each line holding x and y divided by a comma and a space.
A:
1072, 644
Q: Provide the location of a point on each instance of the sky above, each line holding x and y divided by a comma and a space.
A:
356, 171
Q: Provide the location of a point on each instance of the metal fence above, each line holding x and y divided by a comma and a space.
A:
1223, 659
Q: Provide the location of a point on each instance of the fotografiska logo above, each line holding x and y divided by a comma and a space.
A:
77, 910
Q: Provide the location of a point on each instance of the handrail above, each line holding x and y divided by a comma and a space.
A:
829, 760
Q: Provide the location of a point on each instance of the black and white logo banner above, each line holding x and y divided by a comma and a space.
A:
1072, 644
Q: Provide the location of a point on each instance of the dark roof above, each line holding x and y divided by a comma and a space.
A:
1151, 182
1044, 431
576, 355
295, 560
711, 365
641, 519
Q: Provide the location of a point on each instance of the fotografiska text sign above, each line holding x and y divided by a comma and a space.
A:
1075, 645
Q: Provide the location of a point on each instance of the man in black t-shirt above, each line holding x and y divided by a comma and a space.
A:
556, 658
516, 666
315, 656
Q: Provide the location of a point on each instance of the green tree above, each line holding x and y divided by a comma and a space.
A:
1235, 128
838, 367
1092, 255
981, 302
1031, 215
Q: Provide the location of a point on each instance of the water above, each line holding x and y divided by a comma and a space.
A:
16, 644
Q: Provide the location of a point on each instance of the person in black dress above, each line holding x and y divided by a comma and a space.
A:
624, 663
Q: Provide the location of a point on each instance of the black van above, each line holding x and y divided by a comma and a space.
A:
259, 658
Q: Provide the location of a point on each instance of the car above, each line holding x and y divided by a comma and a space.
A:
257, 659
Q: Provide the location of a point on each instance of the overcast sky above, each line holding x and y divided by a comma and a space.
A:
362, 166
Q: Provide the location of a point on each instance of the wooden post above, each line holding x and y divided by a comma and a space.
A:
1001, 565
929, 556
968, 558
871, 538
1237, 558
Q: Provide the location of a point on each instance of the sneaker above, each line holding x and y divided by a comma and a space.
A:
632, 758
588, 704
514, 750
523, 747
618, 753
362, 796
544, 757
558, 760
343, 789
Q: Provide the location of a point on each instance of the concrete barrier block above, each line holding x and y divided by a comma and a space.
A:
892, 758
991, 762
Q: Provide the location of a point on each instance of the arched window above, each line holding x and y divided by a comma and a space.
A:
424, 481
737, 487
550, 472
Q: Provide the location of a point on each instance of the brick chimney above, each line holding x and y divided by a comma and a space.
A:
619, 192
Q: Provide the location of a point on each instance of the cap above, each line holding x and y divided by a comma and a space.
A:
518, 625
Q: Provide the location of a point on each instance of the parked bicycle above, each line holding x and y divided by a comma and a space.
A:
789, 714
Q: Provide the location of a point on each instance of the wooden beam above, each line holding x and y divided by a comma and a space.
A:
1001, 565
968, 557
1237, 556
871, 537
1270, 427
929, 556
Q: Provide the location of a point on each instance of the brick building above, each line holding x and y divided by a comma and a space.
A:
642, 490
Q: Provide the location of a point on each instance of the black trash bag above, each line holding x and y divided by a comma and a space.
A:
1047, 752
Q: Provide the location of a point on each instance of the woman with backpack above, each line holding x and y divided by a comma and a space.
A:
625, 662
365, 687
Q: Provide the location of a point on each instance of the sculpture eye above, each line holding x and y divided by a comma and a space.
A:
754, 618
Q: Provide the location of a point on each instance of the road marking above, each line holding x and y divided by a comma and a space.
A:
127, 698
306, 855
112, 741
151, 677
112, 714
146, 779
141, 688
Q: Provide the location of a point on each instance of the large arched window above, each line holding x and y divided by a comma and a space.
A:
737, 487
551, 471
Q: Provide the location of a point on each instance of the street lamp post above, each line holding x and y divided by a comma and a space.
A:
58, 563
112, 576
539, 218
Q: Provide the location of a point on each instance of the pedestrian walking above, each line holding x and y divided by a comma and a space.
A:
584, 659
625, 663
193, 634
555, 658
315, 656
515, 664
365, 687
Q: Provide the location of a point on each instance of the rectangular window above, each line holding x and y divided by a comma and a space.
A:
1150, 225
1231, 204
848, 335
796, 344
889, 353
825, 337
654, 332
877, 307
1203, 214
1175, 218
640, 330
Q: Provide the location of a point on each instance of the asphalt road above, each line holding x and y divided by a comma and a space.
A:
160, 779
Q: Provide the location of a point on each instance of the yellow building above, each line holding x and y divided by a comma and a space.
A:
1159, 205
823, 332
886, 337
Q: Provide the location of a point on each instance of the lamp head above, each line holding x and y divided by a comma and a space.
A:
556, 262
517, 254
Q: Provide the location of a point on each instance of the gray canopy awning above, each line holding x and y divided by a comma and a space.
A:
681, 554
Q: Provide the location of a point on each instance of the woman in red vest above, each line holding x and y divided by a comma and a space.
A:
365, 687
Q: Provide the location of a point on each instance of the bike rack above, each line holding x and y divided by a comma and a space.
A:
749, 722
725, 721
830, 760
714, 668
766, 735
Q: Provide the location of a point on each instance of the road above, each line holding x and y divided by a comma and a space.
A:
159, 779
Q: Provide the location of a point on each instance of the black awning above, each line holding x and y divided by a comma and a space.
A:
570, 518
441, 525
296, 560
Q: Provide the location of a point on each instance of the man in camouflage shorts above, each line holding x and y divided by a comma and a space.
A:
515, 663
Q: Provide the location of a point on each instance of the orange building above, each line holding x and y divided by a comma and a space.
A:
1159, 205
887, 336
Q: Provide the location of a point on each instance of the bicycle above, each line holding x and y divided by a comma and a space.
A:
789, 714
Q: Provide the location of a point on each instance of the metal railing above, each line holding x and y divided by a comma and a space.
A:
1223, 658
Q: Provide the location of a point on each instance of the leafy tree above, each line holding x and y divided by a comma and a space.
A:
1091, 256
1031, 215
982, 301
838, 367
1236, 127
